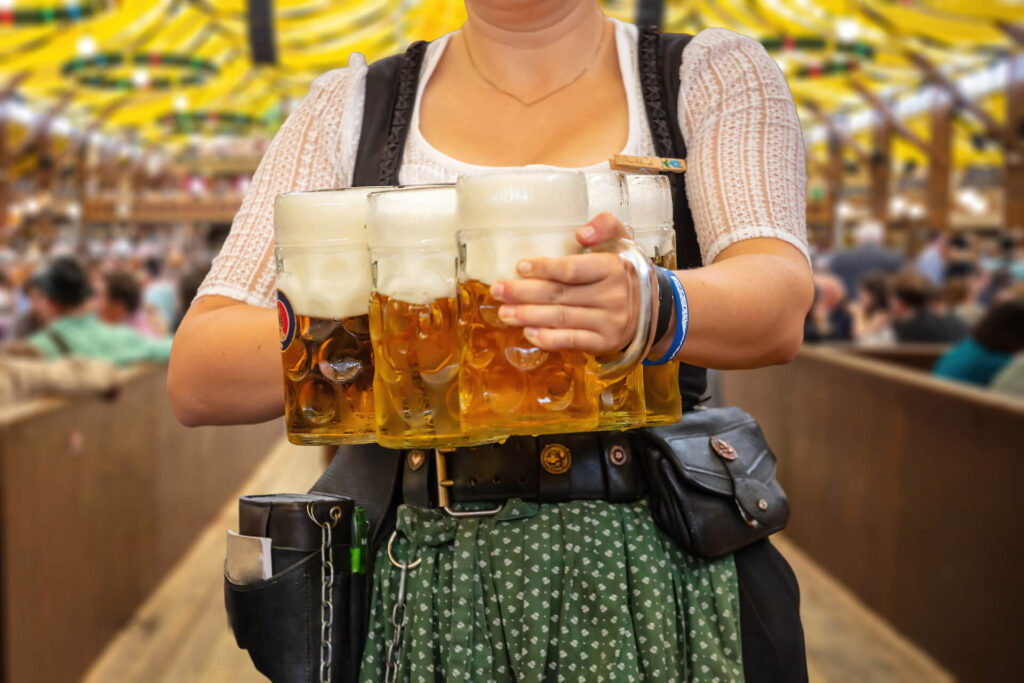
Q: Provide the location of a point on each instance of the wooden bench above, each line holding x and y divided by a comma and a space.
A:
914, 356
98, 500
906, 488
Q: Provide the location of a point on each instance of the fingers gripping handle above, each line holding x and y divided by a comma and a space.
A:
645, 294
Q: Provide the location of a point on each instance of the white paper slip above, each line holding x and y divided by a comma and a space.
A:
248, 558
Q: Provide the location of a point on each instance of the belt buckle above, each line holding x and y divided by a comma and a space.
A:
443, 484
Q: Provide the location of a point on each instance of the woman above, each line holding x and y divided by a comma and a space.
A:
990, 347
553, 83
870, 312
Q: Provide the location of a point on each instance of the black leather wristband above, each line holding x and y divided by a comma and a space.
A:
666, 304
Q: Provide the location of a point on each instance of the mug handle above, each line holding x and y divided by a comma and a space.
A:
647, 291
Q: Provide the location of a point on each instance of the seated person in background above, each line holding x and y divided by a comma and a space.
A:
160, 293
959, 300
829, 319
1010, 379
72, 329
931, 261
120, 303
989, 349
870, 312
914, 319
869, 256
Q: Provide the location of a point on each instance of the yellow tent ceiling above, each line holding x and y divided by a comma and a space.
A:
150, 65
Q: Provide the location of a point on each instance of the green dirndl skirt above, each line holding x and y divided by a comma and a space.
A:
578, 591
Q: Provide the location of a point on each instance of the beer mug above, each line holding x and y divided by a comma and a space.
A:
650, 215
621, 403
323, 301
414, 317
506, 384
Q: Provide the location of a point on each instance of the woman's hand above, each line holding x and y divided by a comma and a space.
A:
580, 302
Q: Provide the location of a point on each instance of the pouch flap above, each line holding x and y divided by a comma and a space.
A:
283, 517
722, 451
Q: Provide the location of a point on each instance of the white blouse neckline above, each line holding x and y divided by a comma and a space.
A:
625, 45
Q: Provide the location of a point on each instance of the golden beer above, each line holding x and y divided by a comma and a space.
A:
508, 384
328, 377
651, 218
621, 403
323, 283
661, 382
413, 317
416, 387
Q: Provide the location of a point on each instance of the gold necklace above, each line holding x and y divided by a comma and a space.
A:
530, 103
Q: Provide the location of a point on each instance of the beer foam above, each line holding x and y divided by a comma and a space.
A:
505, 217
411, 233
324, 267
654, 242
319, 216
650, 201
607, 192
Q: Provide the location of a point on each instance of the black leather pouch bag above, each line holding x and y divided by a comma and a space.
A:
712, 480
279, 620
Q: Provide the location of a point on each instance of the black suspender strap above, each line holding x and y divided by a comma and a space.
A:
390, 96
659, 57
58, 340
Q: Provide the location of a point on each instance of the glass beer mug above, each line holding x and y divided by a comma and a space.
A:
506, 384
650, 204
413, 317
323, 302
621, 403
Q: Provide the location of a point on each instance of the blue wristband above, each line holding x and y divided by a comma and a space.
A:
682, 321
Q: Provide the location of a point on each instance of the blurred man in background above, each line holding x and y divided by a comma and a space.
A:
913, 316
73, 329
869, 256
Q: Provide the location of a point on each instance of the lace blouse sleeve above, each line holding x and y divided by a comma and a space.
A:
309, 152
746, 172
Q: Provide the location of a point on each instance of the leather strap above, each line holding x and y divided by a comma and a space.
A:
660, 56
387, 111
58, 340
547, 469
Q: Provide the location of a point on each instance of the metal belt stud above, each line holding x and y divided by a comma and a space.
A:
326, 587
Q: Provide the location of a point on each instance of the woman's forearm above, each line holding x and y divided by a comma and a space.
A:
225, 365
747, 309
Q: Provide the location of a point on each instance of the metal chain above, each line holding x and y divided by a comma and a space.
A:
394, 658
326, 588
398, 622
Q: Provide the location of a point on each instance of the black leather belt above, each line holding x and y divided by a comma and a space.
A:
547, 469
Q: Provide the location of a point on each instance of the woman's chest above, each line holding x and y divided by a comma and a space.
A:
575, 128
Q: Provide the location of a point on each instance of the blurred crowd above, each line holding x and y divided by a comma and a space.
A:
963, 291
67, 319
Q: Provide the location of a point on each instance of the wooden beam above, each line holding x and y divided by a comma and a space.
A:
12, 84
940, 160
939, 79
1014, 154
886, 112
1015, 31
844, 138
42, 129
881, 168
6, 155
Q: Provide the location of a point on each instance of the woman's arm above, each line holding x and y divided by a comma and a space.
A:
225, 365
746, 309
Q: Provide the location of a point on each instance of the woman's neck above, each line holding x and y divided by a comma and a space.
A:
530, 48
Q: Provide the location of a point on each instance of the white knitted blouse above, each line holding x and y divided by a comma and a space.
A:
745, 173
